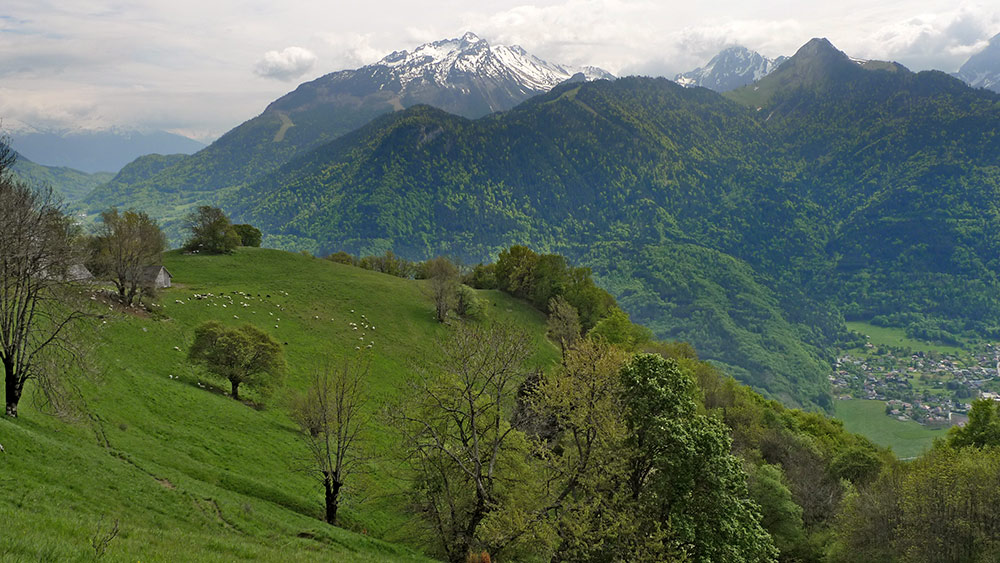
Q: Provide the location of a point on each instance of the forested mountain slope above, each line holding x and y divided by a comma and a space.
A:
836, 187
465, 75
905, 170
635, 176
748, 223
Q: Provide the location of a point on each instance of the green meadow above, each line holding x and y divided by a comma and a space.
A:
893, 336
867, 417
190, 474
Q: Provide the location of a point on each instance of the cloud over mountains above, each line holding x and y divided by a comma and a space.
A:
288, 64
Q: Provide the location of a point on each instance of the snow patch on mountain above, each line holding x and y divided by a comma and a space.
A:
982, 70
441, 62
732, 68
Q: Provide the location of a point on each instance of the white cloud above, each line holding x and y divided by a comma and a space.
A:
350, 50
183, 65
287, 64
942, 40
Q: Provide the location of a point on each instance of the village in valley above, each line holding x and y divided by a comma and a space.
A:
934, 388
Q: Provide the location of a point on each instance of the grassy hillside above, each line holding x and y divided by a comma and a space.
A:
891, 336
907, 439
191, 474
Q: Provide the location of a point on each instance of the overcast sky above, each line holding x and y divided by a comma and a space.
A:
201, 67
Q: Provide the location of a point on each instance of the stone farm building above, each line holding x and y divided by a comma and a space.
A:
78, 273
156, 276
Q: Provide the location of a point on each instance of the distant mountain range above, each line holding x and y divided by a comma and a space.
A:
737, 66
96, 151
465, 76
749, 223
982, 70
732, 68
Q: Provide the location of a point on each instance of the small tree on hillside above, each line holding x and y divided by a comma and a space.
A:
249, 235
126, 243
331, 418
211, 231
243, 355
443, 280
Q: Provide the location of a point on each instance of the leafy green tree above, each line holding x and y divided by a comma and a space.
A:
858, 463
467, 304
578, 409
634, 471
939, 508
514, 271
342, 257
548, 279
482, 276
249, 235
390, 264
682, 476
242, 355
618, 329
211, 231
126, 243
982, 429
780, 515
591, 302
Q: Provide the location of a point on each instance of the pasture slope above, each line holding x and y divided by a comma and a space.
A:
192, 475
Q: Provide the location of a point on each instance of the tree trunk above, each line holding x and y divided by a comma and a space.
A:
121, 291
236, 389
469, 537
332, 487
12, 391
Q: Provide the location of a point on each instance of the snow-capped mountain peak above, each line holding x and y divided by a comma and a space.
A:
732, 68
464, 75
441, 62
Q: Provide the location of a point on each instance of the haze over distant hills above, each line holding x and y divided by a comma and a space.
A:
96, 151
68, 183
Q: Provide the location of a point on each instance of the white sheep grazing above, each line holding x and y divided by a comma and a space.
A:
1, 449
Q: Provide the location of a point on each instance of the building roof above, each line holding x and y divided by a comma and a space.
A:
149, 273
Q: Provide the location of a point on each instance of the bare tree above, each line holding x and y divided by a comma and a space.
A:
38, 244
563, 323
127, 243
331, 416
456, 428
